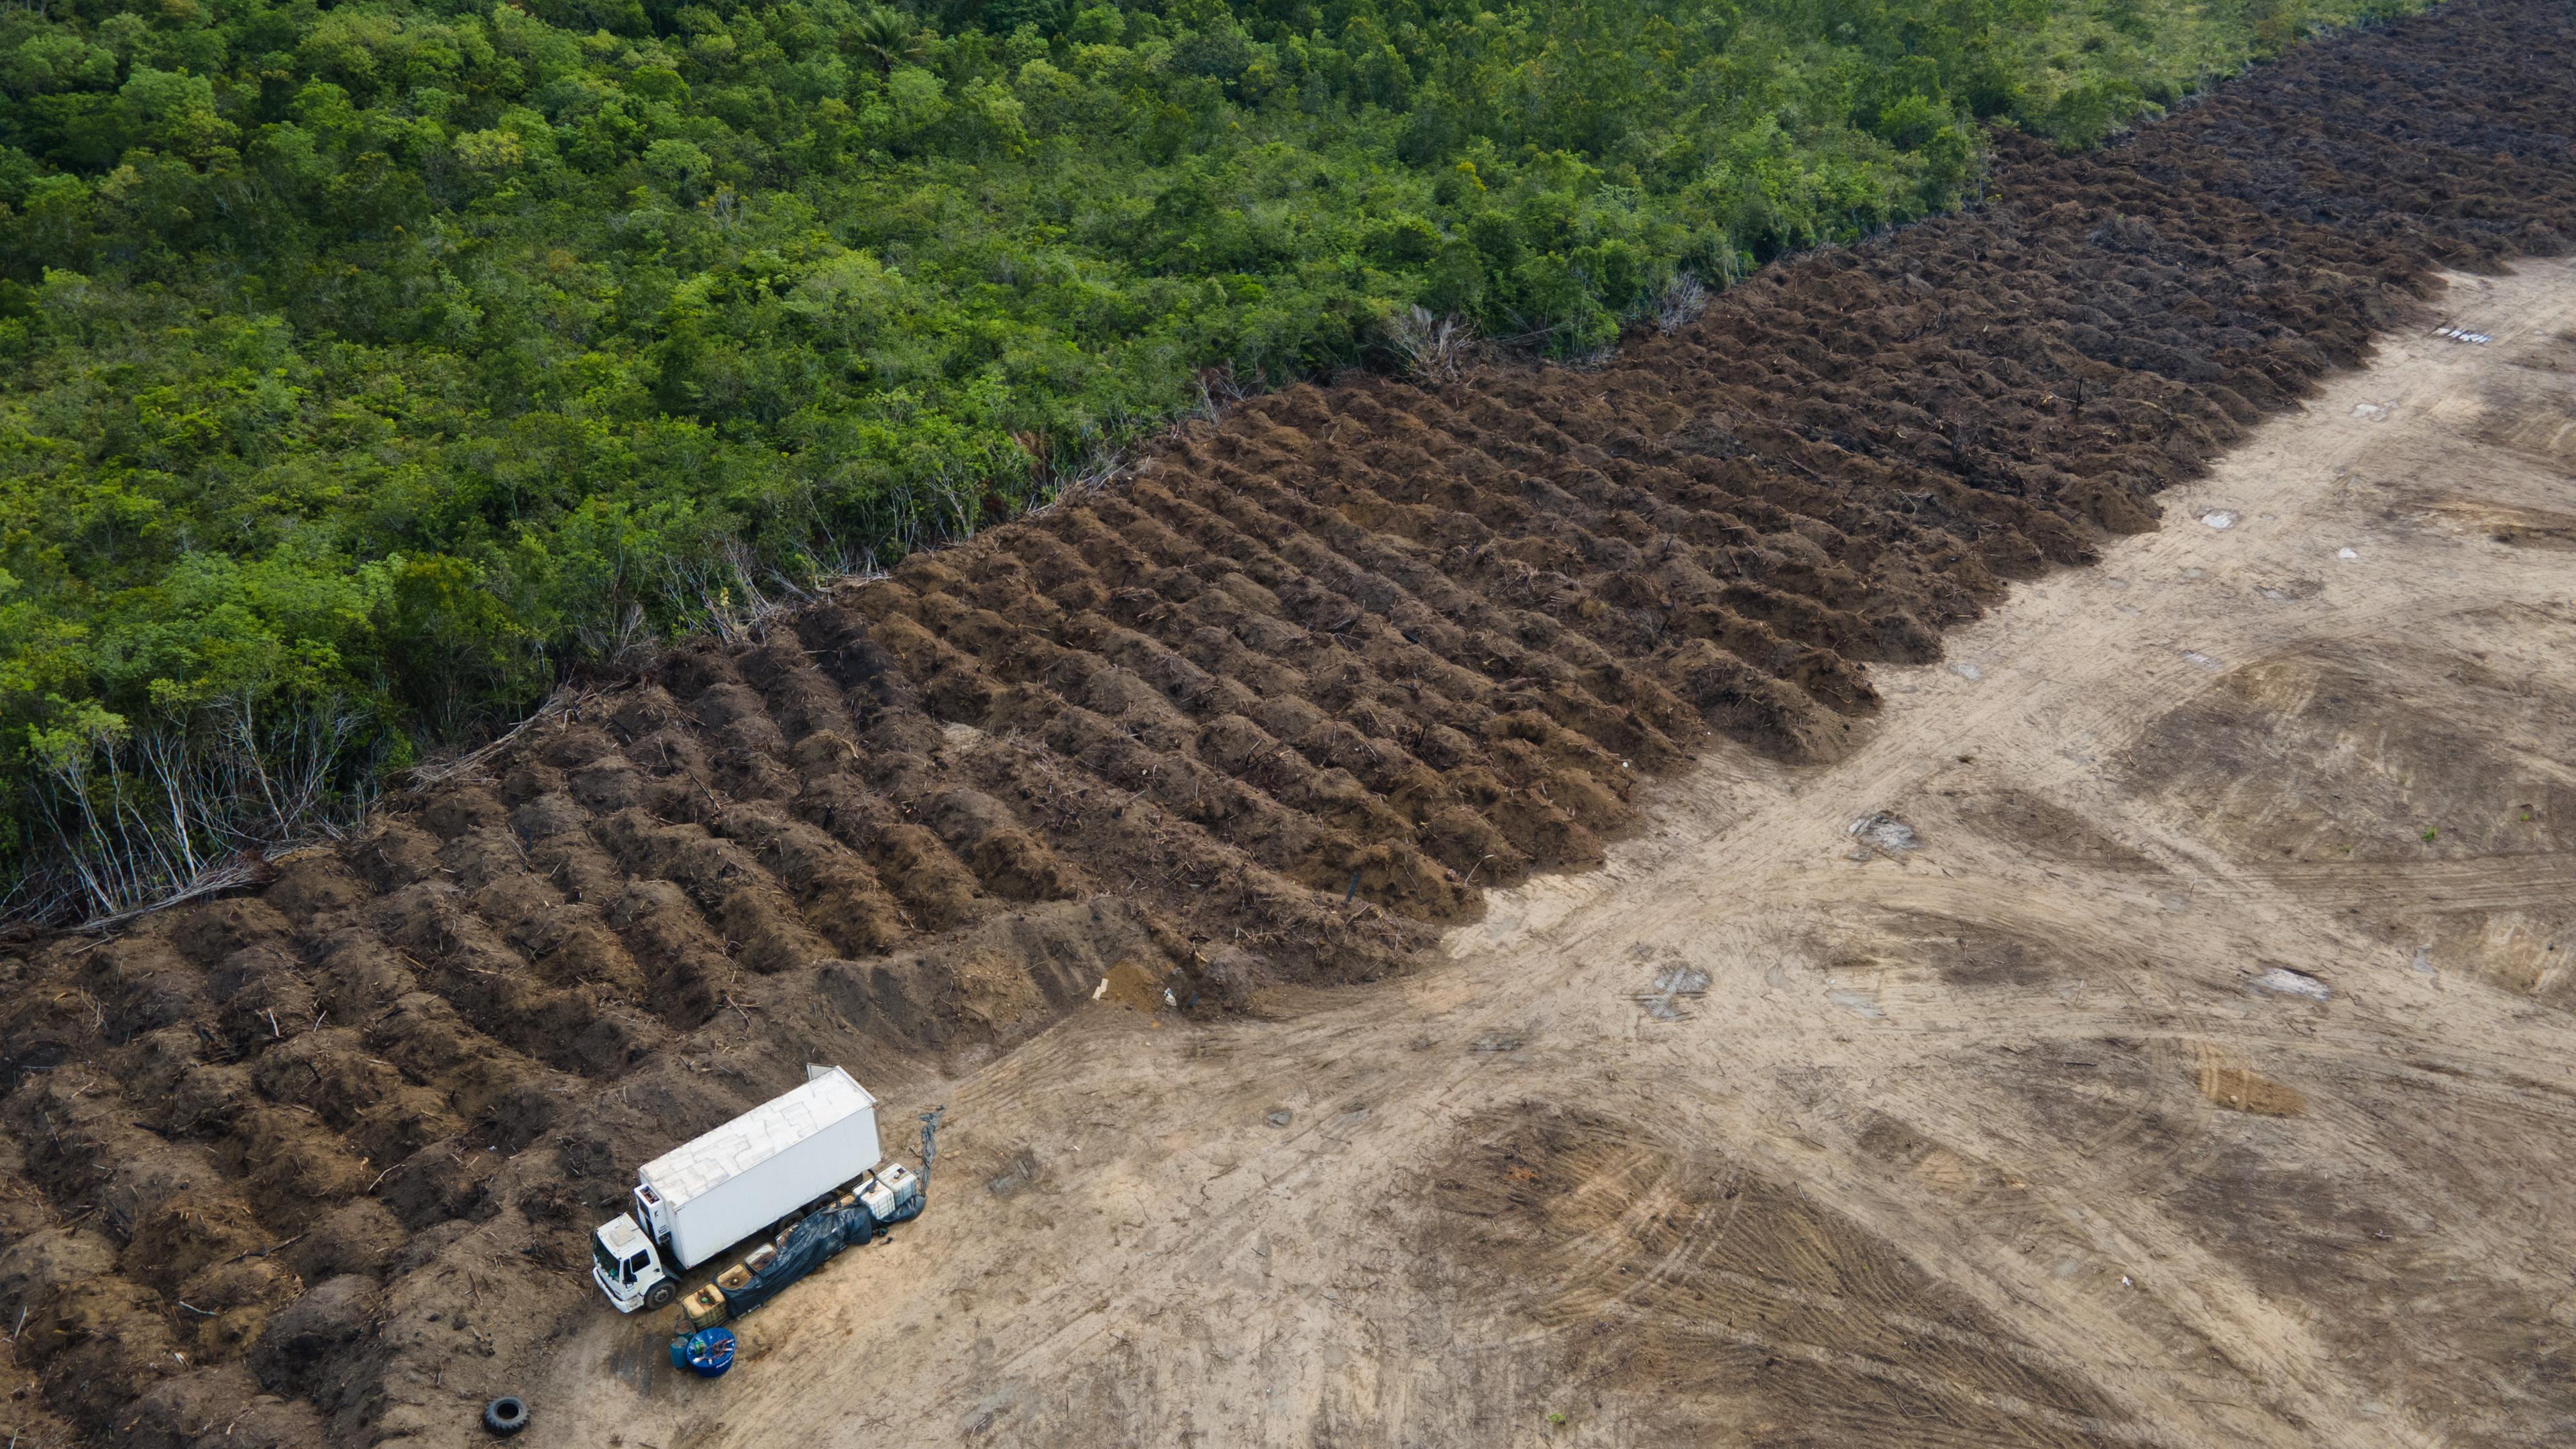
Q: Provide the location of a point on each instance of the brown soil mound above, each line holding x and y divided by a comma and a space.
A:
316, 1167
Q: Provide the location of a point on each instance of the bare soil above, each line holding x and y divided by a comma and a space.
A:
2200, 1075
2177, 1054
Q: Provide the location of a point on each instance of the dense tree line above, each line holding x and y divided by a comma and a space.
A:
367, 365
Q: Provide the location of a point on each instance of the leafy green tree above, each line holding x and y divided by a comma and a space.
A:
887, 38
370, 365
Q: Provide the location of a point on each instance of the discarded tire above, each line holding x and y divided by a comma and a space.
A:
506, 1415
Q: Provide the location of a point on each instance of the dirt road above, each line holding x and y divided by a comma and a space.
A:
2181, 1058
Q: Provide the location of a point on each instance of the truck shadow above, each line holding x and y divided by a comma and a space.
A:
642, 1356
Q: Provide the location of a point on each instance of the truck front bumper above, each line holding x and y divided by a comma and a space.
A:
624, 1305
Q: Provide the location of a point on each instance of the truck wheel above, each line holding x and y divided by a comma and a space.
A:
661, 1294
506, 1415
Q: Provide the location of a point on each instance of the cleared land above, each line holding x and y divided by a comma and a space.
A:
2036, 1132
1264, 723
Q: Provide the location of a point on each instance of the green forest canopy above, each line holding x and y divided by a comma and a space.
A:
369, 364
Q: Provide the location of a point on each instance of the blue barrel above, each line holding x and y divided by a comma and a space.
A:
706, 1353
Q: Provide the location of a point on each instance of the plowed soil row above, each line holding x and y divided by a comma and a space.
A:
315, 1167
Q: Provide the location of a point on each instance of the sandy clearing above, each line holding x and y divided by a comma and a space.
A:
1943, 1150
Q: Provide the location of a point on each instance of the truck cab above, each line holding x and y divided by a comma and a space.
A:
625, 1266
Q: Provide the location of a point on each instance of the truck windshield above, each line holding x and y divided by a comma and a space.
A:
606, 1260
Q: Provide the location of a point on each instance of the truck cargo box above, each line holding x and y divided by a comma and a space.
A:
710, 1193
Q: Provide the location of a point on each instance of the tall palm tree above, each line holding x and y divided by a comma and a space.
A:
886, 36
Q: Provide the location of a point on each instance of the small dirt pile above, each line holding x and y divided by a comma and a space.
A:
316, 1167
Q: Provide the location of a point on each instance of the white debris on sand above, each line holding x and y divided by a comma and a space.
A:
1884, 831
2282, 981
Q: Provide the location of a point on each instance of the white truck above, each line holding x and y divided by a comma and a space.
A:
704, 1196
